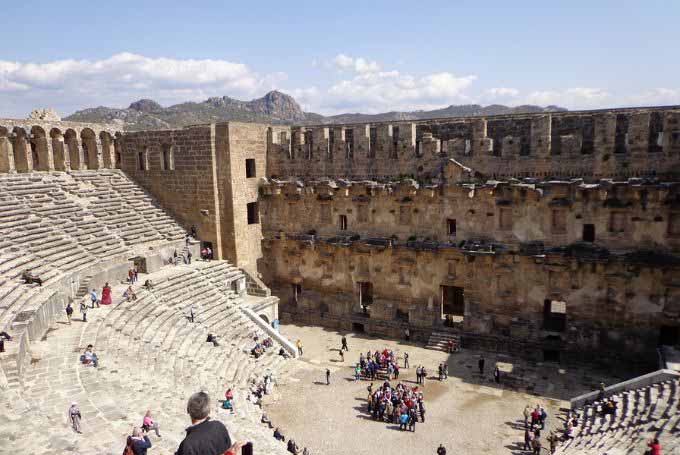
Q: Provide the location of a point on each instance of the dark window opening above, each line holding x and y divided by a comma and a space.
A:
119, 160
343, 222
250, 168
373, 141
589, 233
349, 144
34, 154
551, 355
253, 215
395, 141
140, 160
167, 163
669, 335
365, 296
451, 227
453, 301
554, 315
401, 315
357, 327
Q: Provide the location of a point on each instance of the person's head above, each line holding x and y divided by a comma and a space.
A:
106, 284
73, 403
198, 406
655, 441
94, 290
136, 432
148, 413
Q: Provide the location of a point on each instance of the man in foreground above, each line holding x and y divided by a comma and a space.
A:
205, 436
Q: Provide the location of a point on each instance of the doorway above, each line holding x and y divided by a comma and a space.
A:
669, 335
453, 301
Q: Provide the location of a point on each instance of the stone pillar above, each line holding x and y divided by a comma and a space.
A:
6, 155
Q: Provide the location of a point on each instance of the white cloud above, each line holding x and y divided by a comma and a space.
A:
124, 77
655, 97
358, 65
502, 92
572, 98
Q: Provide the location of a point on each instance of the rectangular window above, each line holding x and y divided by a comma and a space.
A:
617, 222
253, 215
167, 158
674, 224
452, 268
451, 227
141, 161
349, 144
589, 233
362, 213
250, 168
505, 219
404, 214
343, 222
453, 300
559, 221
373, 140
395, 142
554, 315
325, 213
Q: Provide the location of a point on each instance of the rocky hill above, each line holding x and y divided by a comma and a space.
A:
274, 107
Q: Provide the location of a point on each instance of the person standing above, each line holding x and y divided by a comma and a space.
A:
344, 344
527, 439
189, 257
527, 414
106, 294
191, 313
93, 297
75, 417
328, 376
299, 346
405, 359
441, 450
83, 311
497, 375
135, 274
69, 312
480, 364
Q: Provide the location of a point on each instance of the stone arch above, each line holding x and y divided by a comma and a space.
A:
23, 161
75, 151
41, 149
91, 149
60, 154
6, 151
108, 160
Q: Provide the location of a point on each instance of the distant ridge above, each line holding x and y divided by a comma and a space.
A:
274, 107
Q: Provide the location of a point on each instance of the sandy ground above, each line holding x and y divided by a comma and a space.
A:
468, 413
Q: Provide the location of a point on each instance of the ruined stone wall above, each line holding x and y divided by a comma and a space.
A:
615, 305
623, 215
239, 143
596, 144
183, 182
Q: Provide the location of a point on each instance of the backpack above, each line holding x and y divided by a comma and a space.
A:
128, 448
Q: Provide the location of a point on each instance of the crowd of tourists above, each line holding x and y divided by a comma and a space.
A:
400, 404
377, 365
261, 346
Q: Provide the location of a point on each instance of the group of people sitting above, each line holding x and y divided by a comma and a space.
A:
378, 364
261, 346
292, 446
400, 404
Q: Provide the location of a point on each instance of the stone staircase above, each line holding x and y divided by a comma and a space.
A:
438, 341
642, 414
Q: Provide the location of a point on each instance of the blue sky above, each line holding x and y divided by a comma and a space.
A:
368, 56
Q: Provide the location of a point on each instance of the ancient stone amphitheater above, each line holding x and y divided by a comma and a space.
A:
550, 237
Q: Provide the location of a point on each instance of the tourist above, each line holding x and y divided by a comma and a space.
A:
421, 406
89, 357
527, 414
135, 274
441, 450
278, 436
405, 359
542, 415
266, 421
292, 446
344, 344
148, 285
212, 339
205, 436
412, 419
654, 447
497, 375
149, 424
188, 257
69, 312
139, 442
552, 440
75, 417
342, 355
357, 372
450, 346
305, 451
423, 375
187, 239
480, 364
83, 311
418, 374
93, 297
403, 421
191, 313
328, 376
193, 232
445, 367
131, 276
209, 253
106, 294
129, 294
536, 446
535, 417
228, 404
299, 346
528, 438
440, 371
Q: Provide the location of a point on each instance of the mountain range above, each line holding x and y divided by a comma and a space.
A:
274, 107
